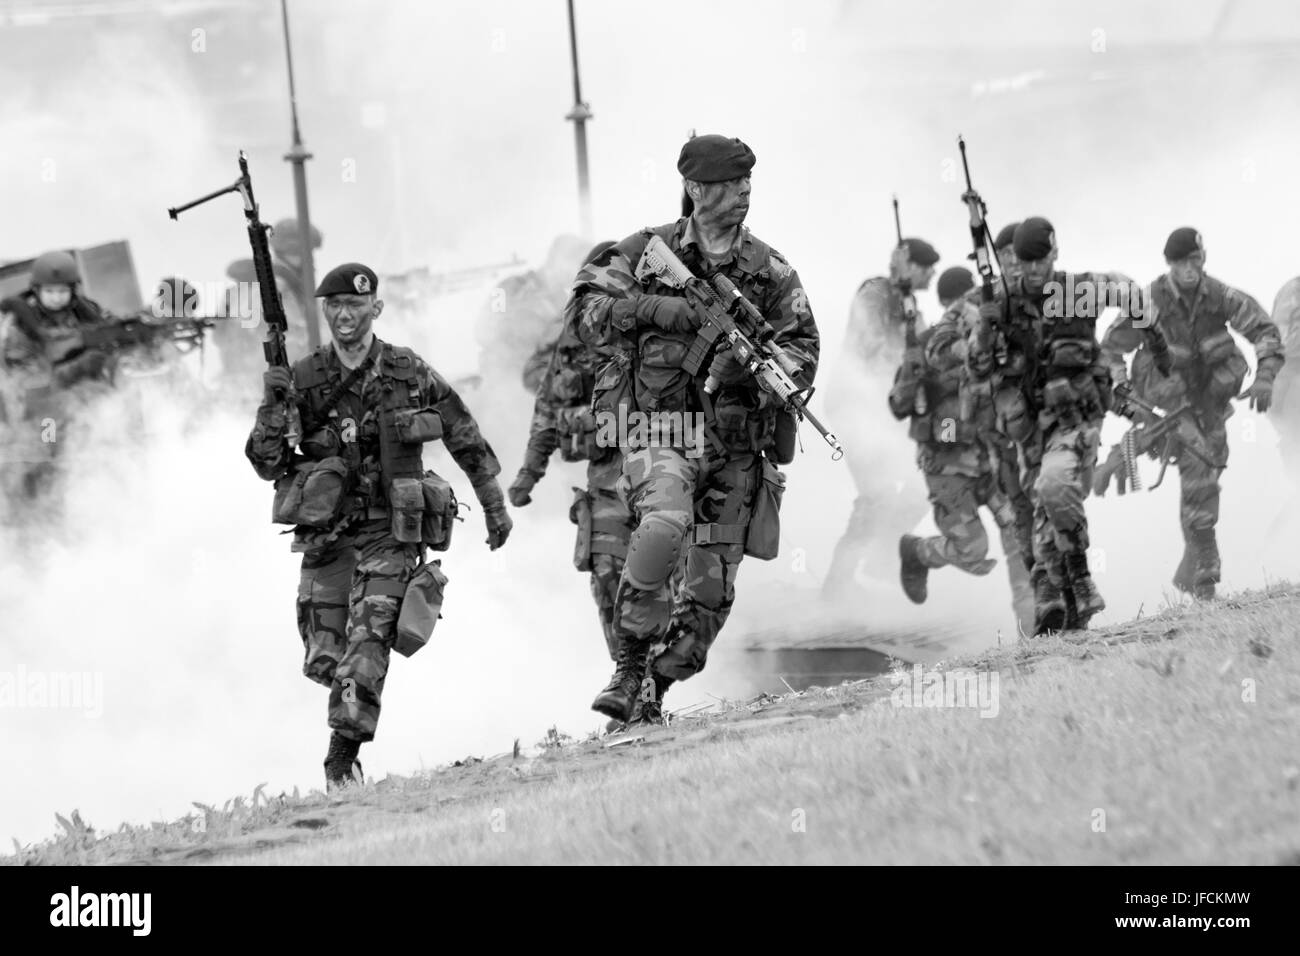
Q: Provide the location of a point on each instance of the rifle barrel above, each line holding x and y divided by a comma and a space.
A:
175, 211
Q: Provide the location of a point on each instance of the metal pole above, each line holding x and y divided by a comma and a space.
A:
580, 113
298, 156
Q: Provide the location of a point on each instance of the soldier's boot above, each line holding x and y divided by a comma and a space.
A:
1185, 576
1049, 604
652, 699
912, 571
1206, 575
340, 761
619, 697
1087, 599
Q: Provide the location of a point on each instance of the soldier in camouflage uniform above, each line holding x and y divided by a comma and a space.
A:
1035, 355
873, 348
48, 369
960, 471
1284, 411
563, 422
1194, 312
715, 499
365, 408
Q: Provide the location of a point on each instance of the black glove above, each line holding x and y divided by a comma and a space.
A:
520, 491
277, 381
498, 526
1260, 394
668, 312
1121, 405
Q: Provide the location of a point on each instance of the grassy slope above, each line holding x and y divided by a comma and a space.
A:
1144, 721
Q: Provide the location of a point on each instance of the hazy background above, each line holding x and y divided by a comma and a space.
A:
439, 141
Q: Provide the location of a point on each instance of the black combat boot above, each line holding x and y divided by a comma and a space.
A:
652, 699
1206, 575
1087, 599
619, 697
912, 572
341, 760
1049, 604
1185, 576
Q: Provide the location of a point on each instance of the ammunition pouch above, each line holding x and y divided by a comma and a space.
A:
763, 539
421, 604
785, 437
613, 390
742, 428
661, 383
406, 507
312, 495
920, 428
576, 428
417, 427
440, 511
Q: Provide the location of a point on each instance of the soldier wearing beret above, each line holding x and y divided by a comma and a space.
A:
1193, 312
959, 462
353, 484
889, 497
707, 503
1049, 388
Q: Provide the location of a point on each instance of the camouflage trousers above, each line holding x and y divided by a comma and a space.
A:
349, 596
713, 498
1064, 480
1198, 510
604, 542
962, 541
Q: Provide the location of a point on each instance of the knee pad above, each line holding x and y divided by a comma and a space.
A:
653, 550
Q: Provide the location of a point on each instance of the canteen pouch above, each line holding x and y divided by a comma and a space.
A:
406, 505
440, 510
763, 541
420, 608
312, 496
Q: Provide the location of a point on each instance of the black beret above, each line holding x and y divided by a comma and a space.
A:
1005, 237
1182, 242
1034, 239
954, 283
714, 159
921, 252
351, 278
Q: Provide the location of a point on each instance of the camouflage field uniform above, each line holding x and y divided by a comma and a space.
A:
1285, 411
1208, 372
955, 459
563, 422
679, 499
355, 572
522, 315
873, 347
48, 372
1049, 396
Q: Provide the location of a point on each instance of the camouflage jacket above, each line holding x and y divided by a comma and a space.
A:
947, 444
351, 429
45, 352
1207, 364
647, 365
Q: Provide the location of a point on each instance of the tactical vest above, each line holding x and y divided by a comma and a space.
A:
942, 424
399, 388
59, 339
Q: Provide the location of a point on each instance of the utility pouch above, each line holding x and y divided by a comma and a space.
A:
420, 607
580, 515
920, 428
417, 427
731, 423
785, 438
406, 505
440, 511
763, 540
313, 495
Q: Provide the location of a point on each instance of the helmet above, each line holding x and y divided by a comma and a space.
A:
284, 237
55, 268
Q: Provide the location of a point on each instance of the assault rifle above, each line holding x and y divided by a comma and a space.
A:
912, 360
277, 325
755, 349
988, 341
1167, 434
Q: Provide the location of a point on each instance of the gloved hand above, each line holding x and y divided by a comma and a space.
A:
89, 364
726, 369
1260, 394
498, 526
520, 491
668, 312
1121, 405
276, 379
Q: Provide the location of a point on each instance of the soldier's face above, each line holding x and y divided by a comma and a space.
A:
1008, 262
1186, 273
724, 204
919, 275
351, 317
1036, 272
54, 297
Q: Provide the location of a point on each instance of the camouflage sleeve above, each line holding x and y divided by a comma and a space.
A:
267, 448
790, 315
1249, 318
868, 318
542, 437
461, 435
1120, 339
1286, 316
603, 287
20, 350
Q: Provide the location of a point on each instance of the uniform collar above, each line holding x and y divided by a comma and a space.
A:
741, 249
336, 360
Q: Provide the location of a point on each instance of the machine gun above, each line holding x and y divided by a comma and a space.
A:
277, 325
144, 331
1167, 435
757, 349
